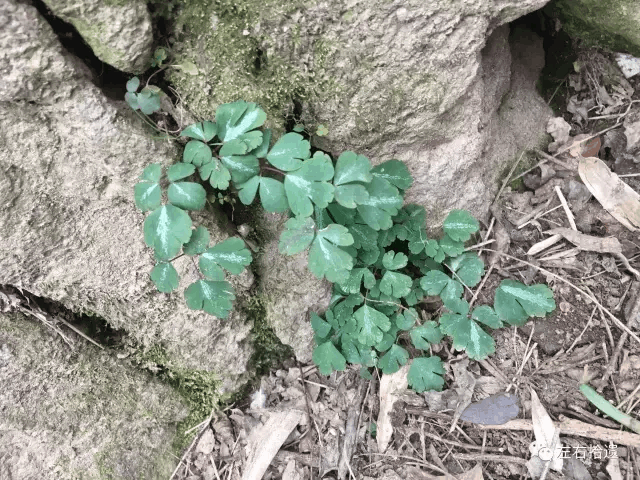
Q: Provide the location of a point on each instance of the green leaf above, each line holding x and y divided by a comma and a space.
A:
395, 358
166, 229
215, 298
230, 255
217, 174
309, 183
438, 283
165, 276
340, 214
319, 326
395, 172
425, 374
188, 67
515, 302
395, 284
132, 100
364, 236
179, 171
147, 193
327, 357
187, 195
197, 153
369, 257
242, 168
204, 131
198, 242
299, 233
272, 195
261, 151
451, 247
353, 283
159, 56
148, 101
326, 259
248, 190
424, 335
133, 84
394, 261
371, 325
485, 314
407, 319
469, 268
388, 339
383, 202
243, 144
288, 152
357, 353
351, 169
236, 118
467, 335
460, 225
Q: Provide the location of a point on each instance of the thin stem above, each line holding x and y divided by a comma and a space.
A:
264, 167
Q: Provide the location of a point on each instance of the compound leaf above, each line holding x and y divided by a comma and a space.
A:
187, 195
383, 203
230, 255
147, 193
406, 319
450, 247
198, 242
204, 131
299, 233
263, 148
197, 153
248, 190
424, 335
148, 101
395, 172
425, 374
514, 302
272, 195
459, 225
327, 357
214, 297
133, 84
166, 229
438, 283
326, 259
319, 326
351, 168
165, 276
394, 261
288, 152
395, 358
469, 268
355, 280
309, 183
395, 284
357, 353
485, 314
242, 168
237, 118
467, 335
179, 171
364, 236
371, 325
217, 174
132, 100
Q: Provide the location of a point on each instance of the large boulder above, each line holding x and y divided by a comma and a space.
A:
388, 80
69, 230
79, 413
613, 24
119, 33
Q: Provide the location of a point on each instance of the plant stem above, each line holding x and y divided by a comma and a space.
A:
605, 407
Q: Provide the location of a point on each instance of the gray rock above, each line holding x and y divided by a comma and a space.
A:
79, 413
69, 229
118, 32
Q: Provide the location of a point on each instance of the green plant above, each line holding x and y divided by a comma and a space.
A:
350, 217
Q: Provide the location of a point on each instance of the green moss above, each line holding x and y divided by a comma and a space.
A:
604, 23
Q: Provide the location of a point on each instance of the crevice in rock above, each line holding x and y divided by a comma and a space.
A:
109, 79
50, 313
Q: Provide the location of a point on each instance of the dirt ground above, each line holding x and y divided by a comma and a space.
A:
347, 426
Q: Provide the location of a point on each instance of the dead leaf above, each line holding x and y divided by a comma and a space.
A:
291, 472
589, 243
474, 474
618, 198
206, 443
544, 431
629, 64
465, 384
559, 129
632, 132
265, 441
544, 244
493, 410
613, 469
391, 389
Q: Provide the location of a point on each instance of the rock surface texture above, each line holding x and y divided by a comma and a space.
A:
69, 230
613, 24
119, 33
78, 413
442, 85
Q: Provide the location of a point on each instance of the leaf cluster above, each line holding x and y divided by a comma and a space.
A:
349, 216
147, 100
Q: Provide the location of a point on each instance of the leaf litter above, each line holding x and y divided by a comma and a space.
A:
488, 422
